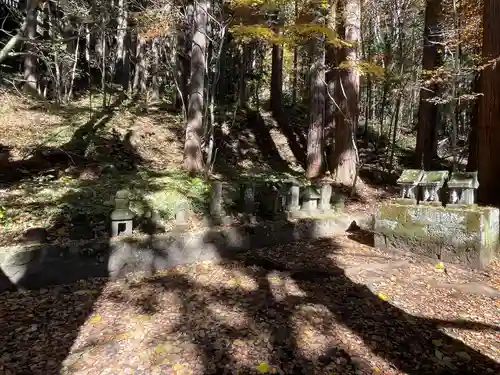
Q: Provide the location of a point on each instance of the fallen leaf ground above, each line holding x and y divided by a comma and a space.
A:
322, 307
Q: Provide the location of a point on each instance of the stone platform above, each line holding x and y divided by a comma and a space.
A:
455, 234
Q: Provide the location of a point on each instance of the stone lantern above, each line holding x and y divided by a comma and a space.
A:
122, 218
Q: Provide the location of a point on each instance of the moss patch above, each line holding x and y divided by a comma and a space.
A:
410, 176
434, 176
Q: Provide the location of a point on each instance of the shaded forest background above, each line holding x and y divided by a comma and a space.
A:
413, 82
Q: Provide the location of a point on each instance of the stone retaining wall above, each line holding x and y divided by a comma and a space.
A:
35, 266
461, 234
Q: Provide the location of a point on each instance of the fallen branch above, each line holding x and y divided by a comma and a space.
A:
13, 42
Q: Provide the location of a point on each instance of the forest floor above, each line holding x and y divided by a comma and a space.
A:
322, 307
336, 306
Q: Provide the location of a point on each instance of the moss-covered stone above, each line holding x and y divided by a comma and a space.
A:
464, 180
410, 176
452, 234
405, 201
434, 177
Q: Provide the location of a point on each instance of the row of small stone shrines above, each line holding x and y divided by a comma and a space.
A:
418, 186
287, 200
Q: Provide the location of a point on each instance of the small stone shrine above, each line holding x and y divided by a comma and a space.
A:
462, 186
408, 182
430, 185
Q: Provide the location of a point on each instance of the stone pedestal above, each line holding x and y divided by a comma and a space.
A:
325, 197
453, 235
215, 204
293, 201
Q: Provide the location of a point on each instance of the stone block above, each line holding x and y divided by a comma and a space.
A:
293, 202
455, 235
215, 204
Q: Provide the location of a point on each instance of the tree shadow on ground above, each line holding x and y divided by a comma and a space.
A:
405, 341
247, 148
39, 324
53, 283
265, 143
295, 136
49, 320
54, 160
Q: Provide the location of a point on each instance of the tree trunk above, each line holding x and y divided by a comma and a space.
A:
193, 157
388, 59
472, 161
330, 77
155, 79
489, 108
277, 78
30, 76
315, 141
245, 61
295, 75
139, 75
121, 62
428, 115
182, 69
344, 163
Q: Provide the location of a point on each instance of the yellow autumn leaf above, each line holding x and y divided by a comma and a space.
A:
274, 280
235, 282
122, 336
96, 318
382, 296
162, 348
376, 369
439, 266
143, 318
177, 367
263, 367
